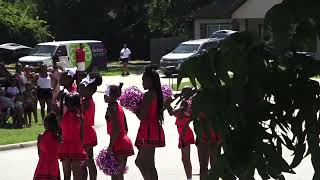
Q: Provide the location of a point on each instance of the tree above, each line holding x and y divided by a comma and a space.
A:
18, 24
171, 18
259, 95
113, 22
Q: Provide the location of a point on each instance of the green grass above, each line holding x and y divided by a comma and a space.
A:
116, 70
12, 136
183, 84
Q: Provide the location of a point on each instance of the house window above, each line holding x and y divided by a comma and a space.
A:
211, 28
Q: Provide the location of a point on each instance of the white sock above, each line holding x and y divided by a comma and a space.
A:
189, 179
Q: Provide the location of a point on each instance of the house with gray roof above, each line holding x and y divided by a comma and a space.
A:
236, 15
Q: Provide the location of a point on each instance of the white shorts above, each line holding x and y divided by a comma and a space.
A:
81, 66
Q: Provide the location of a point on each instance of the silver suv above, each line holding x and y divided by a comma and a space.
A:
170, 63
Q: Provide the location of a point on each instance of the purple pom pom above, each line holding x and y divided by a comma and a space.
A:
108, 164
166, 91
131, 98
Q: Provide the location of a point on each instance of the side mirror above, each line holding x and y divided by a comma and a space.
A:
203, 51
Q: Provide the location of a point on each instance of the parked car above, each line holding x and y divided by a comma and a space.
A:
169, 63
64, 53
11, 52
222, 34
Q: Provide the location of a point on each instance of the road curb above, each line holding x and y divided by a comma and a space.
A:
17, 146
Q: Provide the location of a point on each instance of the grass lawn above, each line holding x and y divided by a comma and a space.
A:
115, 69
12, 136
183, 84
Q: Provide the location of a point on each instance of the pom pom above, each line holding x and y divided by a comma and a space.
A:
131, 98
189, 107
166, 91
108, 164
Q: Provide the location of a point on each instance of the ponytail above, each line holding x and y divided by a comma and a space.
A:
53, 125
62, 97
151, 72
116, 90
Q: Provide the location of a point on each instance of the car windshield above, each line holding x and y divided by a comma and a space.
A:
219, 35
186, 48
43, 50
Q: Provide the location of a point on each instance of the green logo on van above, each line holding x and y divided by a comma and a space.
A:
72, 51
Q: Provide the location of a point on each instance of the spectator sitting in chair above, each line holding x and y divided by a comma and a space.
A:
13, 89
14, 94
6, 104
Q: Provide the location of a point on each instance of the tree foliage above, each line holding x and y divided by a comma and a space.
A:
172, 18
18, 23
259, 95
113, 22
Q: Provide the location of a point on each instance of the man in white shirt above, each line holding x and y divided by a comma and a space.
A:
125, 55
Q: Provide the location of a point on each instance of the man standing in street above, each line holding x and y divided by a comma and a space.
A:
125, 54
81, 58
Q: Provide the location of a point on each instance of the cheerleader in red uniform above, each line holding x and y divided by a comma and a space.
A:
120, 144
88, 86
71, 151
67, 80
150, 134
48, 142
208, 148
186, 137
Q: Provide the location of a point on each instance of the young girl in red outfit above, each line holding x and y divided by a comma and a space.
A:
208, 148
48, 142
67, 80
71, 151
88, 86
150, 134
120, 144
186, 137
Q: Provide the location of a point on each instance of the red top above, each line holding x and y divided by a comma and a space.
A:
49, 146
89, 113
121, 122
70, 126
182, 121
152, 114
80, 55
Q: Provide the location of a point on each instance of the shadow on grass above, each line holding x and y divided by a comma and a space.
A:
12, 136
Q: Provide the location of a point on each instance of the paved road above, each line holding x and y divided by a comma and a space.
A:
20, 164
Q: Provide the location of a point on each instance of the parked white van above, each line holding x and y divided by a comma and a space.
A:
64, 52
